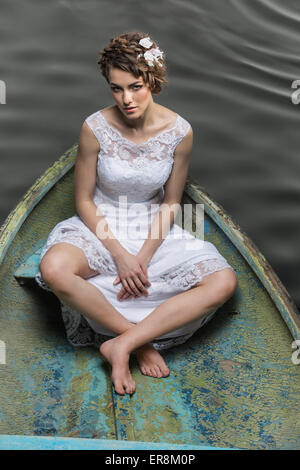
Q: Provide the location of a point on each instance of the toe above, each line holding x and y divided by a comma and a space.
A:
158, 372
153, 372
130, 389
119, 388
150, 372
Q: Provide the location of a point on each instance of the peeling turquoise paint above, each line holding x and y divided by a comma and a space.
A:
60, 443
232, 385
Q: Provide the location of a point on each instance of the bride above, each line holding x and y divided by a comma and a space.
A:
145, 293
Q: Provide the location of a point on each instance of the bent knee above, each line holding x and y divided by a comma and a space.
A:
53, 272
223, 283
227, 283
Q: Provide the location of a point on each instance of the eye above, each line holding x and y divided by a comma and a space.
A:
135, 87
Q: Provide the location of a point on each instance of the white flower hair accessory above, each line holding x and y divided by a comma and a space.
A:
146, 42
153, 55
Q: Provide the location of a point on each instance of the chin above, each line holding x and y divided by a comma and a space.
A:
134, 115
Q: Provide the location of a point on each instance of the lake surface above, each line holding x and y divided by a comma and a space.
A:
231, 68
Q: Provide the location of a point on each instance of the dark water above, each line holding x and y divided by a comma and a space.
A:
231, 65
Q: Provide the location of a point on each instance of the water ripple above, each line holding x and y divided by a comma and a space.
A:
230, 68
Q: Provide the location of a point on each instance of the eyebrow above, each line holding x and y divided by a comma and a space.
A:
115, 84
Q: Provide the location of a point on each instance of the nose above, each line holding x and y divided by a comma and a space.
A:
127, 98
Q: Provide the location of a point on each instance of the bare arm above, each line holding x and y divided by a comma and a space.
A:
166, 214
85, 182
174, 187
134, 278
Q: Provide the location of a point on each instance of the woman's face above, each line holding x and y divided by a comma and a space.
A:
129, 92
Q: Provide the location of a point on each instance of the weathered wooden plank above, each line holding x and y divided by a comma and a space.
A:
63, 443
231, 385
47, 386
29, 267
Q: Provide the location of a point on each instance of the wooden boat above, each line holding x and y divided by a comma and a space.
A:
233, 385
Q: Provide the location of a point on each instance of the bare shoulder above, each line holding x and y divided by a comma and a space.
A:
111, 115
87, 139
165, 115
170, 117
185, 146
109, 111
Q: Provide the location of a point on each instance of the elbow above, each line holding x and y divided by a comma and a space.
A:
173, 204
82, 204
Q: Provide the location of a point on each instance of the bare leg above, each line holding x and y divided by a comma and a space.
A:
174, 313
64, 268
151, 362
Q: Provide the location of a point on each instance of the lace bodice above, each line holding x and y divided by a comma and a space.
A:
134, 173
138, 171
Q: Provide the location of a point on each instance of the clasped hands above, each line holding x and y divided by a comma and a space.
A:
132, 272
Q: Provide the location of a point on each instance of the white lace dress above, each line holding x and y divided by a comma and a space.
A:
128, 192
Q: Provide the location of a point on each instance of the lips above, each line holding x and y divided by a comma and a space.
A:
128, 109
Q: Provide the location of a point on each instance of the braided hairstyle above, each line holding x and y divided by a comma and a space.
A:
122, 52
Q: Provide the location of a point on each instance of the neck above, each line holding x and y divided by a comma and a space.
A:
142, 121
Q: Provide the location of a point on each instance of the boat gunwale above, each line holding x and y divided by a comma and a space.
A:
251, 253
26, 442
33, 196
232, 230
218, 214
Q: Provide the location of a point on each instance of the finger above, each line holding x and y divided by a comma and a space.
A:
141, 282
147, 282
143, 289
127, 287
144, 272
117, 280
139, 285
133, 287
123, 294
144, 281
126, 296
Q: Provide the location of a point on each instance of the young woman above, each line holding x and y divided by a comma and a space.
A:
121, 267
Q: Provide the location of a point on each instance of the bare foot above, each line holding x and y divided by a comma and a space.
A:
119, 360
151, 362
